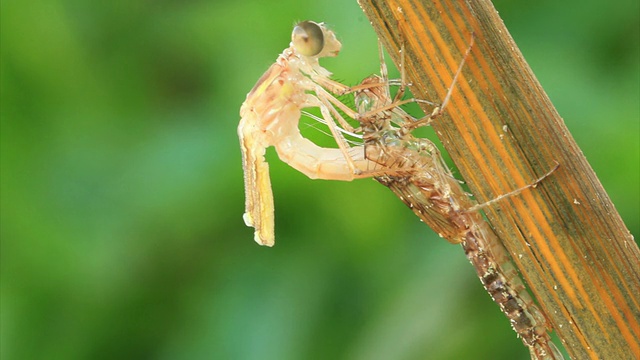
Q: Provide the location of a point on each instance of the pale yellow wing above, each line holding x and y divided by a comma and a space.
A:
259, 211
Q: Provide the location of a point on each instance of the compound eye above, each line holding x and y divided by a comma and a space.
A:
308, 38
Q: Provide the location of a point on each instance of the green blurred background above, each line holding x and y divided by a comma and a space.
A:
122, 191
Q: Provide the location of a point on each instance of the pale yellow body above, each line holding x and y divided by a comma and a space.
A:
269, 117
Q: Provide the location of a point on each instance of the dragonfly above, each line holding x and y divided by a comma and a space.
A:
411, 167
270, 116
416, 172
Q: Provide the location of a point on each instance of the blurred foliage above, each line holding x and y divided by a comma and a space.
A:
122, 189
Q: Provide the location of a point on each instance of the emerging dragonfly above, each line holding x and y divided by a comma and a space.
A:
418, 175
270, 115
413, 168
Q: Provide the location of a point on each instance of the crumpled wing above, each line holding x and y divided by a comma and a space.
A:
259, 211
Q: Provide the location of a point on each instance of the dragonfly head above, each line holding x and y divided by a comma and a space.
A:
314, 39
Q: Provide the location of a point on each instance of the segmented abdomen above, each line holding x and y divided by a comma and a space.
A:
429, 189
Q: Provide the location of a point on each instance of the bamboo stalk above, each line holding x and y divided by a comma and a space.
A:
502, 131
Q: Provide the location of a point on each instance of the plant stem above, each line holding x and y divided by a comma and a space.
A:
502, 131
